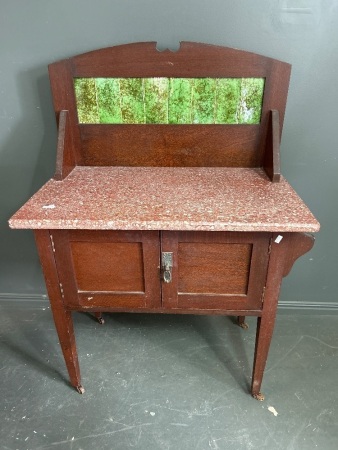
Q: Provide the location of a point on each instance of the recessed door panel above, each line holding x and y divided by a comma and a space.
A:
109, 269
216, 270
108, 266
213, 268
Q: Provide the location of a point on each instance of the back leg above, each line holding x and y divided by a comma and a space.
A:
241, 322
99, 317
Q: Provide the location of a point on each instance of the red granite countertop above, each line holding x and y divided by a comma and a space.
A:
166, 198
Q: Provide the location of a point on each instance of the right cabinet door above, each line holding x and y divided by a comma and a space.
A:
215, 270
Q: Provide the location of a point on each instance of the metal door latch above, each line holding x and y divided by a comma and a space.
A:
167, 264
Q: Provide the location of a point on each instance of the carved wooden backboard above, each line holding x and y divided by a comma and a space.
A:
160, 128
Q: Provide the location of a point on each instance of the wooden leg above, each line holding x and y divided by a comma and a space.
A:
264, 333
241, 322
64, 327
62, 317
99, 317
265, 323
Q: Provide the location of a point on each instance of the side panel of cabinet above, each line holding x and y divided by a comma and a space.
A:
108, 269
216, 270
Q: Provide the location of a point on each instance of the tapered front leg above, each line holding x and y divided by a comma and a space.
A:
62, 317
284, 250
264, 333
265, 323
64, 327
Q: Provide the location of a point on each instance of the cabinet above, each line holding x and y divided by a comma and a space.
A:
170, 198
119, 269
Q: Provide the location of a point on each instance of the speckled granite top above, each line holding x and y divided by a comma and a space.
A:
165, 198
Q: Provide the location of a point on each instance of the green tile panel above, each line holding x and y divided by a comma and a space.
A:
169, 100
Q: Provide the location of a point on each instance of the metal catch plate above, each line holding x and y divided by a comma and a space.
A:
167, 264
167, 259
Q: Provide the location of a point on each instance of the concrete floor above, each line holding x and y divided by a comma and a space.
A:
166, 382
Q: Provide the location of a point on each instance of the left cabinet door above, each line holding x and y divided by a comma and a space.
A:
116, 270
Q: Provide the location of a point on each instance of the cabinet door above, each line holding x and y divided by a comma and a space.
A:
216, 270
108, 269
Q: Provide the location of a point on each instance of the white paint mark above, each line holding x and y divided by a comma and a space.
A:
48, 206
34, 431
278, 239
73, 438
152, 413
273, 411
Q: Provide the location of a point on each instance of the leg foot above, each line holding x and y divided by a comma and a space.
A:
260, 397
241, 322
80, 389
99, 317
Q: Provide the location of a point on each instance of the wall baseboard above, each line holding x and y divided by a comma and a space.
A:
40, 301
316, 307
18, 300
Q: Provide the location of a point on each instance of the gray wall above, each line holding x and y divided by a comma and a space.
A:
302, 32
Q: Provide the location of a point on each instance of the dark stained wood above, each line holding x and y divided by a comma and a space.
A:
222, 273
216, 270
197, 145
62, 317
117, 300
65, 160
241, 322
62, 85
163, 310
45, 248
299, 244
109, 268
110, 235
272, 151
170, 145
99, 317
192, 59
265, 323
275, 96
65, 267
